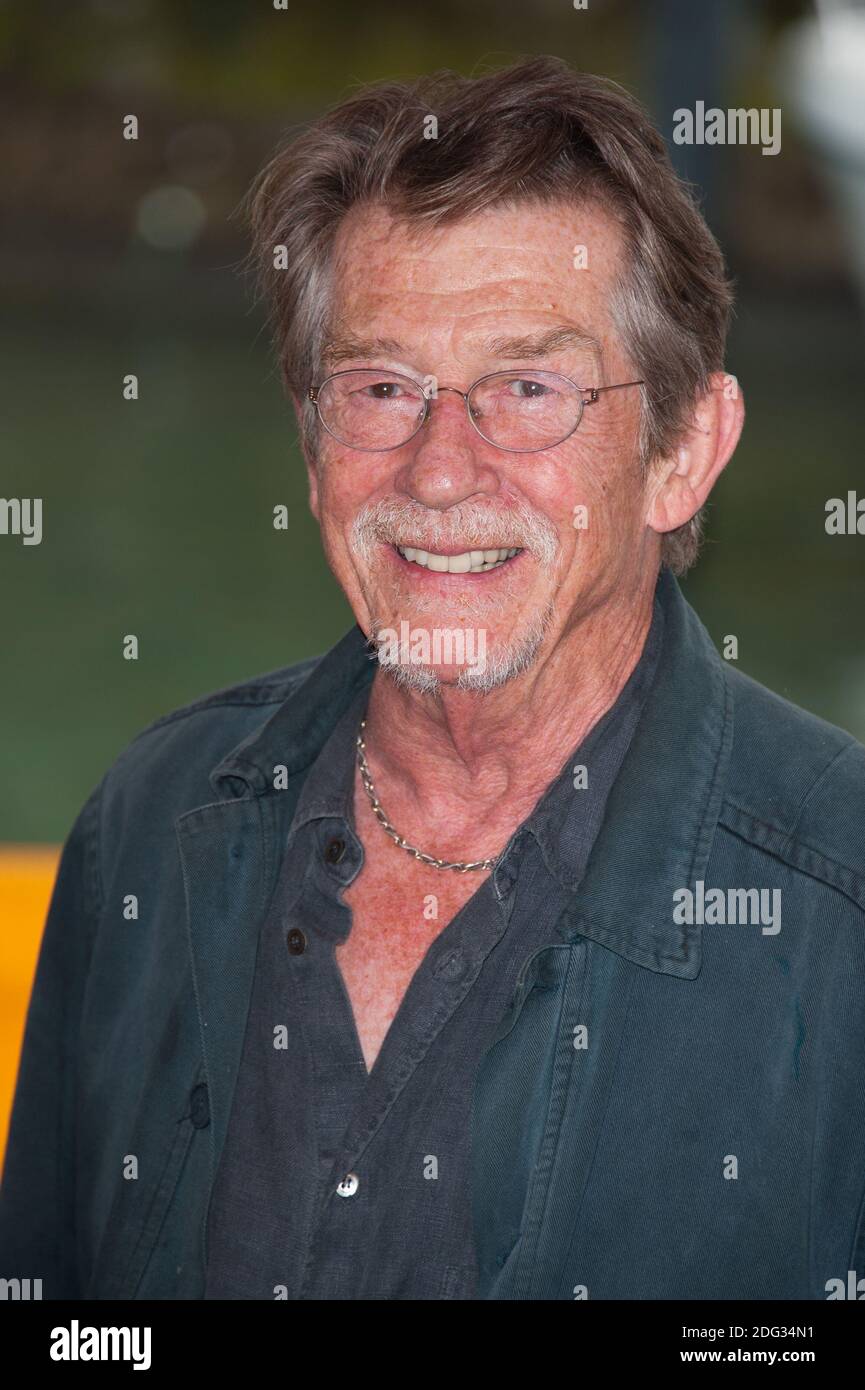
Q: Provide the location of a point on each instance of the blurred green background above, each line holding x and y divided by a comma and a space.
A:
123, 256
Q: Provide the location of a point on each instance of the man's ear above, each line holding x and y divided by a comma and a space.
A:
683, 481
311, 470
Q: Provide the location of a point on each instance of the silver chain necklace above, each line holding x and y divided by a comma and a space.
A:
389, 830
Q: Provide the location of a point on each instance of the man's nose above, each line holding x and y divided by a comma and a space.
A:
447, 461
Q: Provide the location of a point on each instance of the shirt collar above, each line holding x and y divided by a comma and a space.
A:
328, 791
662, 808
566, 820
295, 734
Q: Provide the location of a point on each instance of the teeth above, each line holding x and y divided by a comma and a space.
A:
469, 562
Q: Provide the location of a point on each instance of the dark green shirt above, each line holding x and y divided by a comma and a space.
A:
338, 1184
670, 1106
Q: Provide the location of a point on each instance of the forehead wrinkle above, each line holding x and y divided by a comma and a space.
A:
452, 321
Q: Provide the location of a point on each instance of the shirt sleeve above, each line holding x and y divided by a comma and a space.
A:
38, 1189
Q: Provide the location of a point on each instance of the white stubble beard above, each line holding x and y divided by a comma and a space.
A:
529, 531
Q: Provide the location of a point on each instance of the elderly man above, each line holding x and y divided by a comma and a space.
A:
512, 949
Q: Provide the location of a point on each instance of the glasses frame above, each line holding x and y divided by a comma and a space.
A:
593, 393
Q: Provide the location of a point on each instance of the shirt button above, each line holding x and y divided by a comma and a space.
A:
296, 942
334, 851
349, 1185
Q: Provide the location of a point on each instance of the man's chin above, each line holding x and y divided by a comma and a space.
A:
433, 660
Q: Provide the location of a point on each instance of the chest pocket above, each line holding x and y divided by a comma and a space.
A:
515, 1104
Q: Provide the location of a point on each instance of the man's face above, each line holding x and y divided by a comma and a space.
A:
476, 297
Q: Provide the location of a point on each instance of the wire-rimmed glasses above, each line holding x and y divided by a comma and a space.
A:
521, 411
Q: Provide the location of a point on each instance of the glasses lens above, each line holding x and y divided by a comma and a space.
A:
371, 409
526, 410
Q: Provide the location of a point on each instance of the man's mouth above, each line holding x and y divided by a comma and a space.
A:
467, 562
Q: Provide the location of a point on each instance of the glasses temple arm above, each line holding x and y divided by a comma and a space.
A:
595, 391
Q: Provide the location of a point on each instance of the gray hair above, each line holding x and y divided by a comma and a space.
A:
536, 131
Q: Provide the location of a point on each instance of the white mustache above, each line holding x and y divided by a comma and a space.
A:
471, 525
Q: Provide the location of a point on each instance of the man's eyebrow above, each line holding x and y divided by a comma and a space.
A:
345, 349
539, 344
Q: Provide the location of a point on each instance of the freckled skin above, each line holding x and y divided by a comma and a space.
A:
390, 935
458, 772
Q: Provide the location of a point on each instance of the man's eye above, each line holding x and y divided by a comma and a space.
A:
527, 389
383, 390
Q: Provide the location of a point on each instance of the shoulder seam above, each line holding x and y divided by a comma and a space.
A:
842, 752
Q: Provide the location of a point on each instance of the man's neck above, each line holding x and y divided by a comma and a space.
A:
461, 770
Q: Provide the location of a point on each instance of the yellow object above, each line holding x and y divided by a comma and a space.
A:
27, 875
